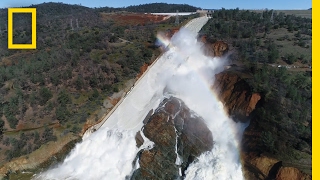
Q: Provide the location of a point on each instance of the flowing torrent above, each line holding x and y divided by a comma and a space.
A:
183, 72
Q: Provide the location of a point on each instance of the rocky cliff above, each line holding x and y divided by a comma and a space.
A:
240, 101
236, 94
214, 48
220, 48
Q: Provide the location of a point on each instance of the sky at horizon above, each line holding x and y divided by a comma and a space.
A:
205, 4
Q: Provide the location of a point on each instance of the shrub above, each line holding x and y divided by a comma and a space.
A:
290, 59
45, 95
62, 113
63, 98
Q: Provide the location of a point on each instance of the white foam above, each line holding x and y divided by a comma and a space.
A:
147, 144
88, 160
179, 160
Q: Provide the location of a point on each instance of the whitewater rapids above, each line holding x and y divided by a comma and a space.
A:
183, 72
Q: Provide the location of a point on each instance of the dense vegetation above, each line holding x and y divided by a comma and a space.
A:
282, 119
258, 39
66, 79
162, 7
153, 8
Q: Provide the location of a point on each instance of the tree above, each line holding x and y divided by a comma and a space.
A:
12, 121
45, 95
55, 78
301, 43
292, 92
32, 98
95, 94
290, 58
298, 34
36, 137
62, 113
273, 53
79, 83
63, 98
267, 140
273, 56
1, 128
48, 135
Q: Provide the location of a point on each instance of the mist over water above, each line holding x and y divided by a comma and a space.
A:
183, 72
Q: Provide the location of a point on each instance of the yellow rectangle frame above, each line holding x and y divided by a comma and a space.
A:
33, 44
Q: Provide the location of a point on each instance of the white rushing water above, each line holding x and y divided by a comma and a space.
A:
184, 72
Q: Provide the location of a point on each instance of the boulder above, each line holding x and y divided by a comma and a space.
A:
291, 173
179, 136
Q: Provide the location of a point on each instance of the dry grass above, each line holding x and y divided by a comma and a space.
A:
288, 46
37, 157
301, 13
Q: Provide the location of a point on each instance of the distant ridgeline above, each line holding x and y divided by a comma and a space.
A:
52, 10
154, 8
65, 9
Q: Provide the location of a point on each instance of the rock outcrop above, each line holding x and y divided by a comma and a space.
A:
170, 32
179, 136
260, 167
220, 48
263, 167
143, 68
214, 48
235, 93
291, 173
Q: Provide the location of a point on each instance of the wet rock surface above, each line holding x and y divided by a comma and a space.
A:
179, 136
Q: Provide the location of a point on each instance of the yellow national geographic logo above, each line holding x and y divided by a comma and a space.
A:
33, 44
